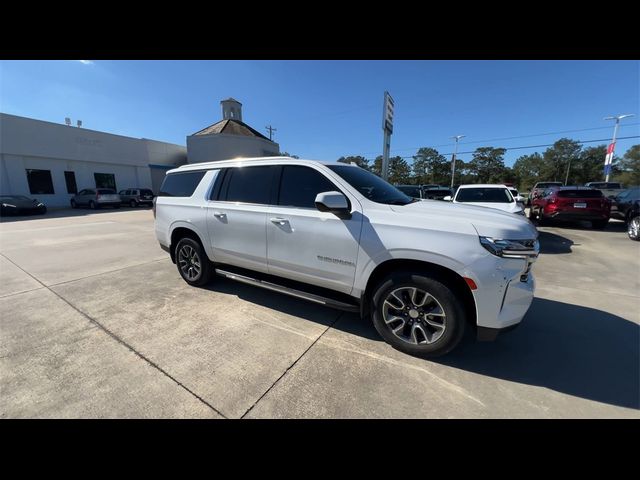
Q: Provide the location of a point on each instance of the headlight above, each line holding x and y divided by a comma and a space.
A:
511, 248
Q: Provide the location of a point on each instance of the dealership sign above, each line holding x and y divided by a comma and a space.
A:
387, 113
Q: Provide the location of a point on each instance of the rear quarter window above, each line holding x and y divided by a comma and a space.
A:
180, 184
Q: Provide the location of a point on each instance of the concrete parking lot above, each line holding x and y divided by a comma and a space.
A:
96, 322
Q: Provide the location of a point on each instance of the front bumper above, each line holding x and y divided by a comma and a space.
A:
505, 290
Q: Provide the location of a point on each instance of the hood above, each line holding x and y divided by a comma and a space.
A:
505, 207
487, 222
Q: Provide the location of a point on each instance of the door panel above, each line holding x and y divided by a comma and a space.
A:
237, 228
305, 244
313, 247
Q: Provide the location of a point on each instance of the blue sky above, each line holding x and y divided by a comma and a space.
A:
326, 109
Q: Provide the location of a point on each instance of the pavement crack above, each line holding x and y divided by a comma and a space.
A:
291, 366
121, 341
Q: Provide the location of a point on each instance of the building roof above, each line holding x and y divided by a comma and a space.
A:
231, 127
230, 99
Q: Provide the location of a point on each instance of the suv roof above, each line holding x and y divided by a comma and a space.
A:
253, 161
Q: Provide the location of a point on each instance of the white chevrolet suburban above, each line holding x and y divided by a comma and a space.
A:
338, 235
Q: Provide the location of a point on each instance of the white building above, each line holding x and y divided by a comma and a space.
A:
229, 138
51, 161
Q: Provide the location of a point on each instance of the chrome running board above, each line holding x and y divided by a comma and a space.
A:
329, 302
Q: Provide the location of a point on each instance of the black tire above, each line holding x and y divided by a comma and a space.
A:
116, 206
599, 224
92, 205
542, 220
43, 210
447, 300
133, 204
204, 276
74, 204
633, 227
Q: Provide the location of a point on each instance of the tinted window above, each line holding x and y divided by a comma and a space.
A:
145, 191
40, 181
248, 185
300, 185
579, 193
88, 191
180, 184
70, 180
106, 191
371, 186
548, 184
486, 195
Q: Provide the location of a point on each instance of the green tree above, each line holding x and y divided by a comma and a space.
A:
430, 166
487, 165
527, 169
287, 154
629, 167
360, 161
564, 153
399, 170
589, 167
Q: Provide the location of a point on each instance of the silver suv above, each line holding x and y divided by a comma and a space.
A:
96, 198
338, 235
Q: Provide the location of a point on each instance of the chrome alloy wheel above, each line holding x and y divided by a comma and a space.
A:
634, 227
414, 316
189, 262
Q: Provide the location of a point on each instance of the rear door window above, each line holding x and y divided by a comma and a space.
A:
180, 184
248, 185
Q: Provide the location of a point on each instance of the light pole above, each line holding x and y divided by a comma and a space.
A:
609, 157
453, 158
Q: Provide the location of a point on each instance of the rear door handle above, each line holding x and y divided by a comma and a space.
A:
279, 220
219, 214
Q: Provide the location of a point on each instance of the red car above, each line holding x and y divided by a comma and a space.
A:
571, 204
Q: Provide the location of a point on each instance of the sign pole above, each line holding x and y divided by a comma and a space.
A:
387, 127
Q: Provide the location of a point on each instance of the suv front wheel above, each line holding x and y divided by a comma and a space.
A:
192, 262
418, 314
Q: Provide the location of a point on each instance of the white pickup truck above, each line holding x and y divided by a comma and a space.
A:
338, 235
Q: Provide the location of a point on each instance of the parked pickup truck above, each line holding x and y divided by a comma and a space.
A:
608, 189
340, 236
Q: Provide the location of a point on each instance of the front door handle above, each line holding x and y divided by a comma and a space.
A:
219, 214
279, 220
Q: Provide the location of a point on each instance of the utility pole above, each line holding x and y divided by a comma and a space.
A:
453, 158
609, 158
271, 130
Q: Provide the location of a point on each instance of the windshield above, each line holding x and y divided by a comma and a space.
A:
548, 184
410, 190
484, 195
579, 193
371, 186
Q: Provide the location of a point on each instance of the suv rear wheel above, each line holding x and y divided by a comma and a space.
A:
418, 314
633, 228
192, 262
133, 204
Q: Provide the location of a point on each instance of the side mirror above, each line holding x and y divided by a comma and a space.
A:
447, 198
334, 202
